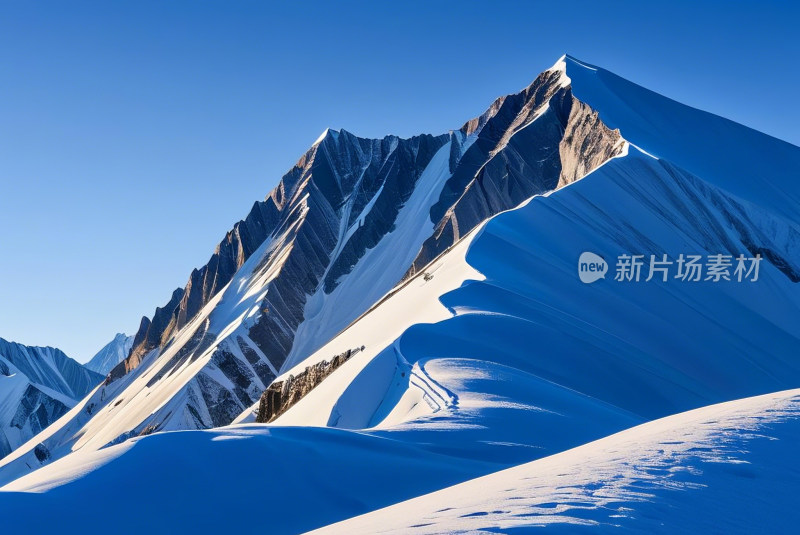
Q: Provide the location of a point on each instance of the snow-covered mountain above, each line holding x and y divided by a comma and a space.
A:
352, 218
111, 354
417, 309
50, 367
37, 386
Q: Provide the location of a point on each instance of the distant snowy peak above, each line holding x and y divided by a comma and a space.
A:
51, 368
38, 385
111, 354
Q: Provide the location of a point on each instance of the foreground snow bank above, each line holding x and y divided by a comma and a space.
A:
231, 480
726, 468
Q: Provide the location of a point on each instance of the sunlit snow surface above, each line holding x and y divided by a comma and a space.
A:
728, 468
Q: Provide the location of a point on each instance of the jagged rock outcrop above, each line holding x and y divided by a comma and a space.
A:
527, 144
150, 336
586, 144
281, 395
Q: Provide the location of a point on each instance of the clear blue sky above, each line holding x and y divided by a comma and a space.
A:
134, 134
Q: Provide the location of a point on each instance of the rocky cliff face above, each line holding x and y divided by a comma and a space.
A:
282, 395
526, 144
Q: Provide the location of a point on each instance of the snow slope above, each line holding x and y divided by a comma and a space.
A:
111, 354
747, 163
727, 468
649, 349
231, 480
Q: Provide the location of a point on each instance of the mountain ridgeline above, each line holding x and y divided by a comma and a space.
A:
528, 143
353, 218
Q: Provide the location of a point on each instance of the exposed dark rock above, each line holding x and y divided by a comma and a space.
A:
586, 144
221, 403
527, 144
37, 409
149, 336
41, 452
282, 395
261, 368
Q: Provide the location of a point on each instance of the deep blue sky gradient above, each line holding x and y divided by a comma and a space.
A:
134, 134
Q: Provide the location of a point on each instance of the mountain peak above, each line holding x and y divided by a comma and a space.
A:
111, 354
560, 67
328, 132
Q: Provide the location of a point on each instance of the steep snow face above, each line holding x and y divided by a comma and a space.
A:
740, 160
727, 468
111, 354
